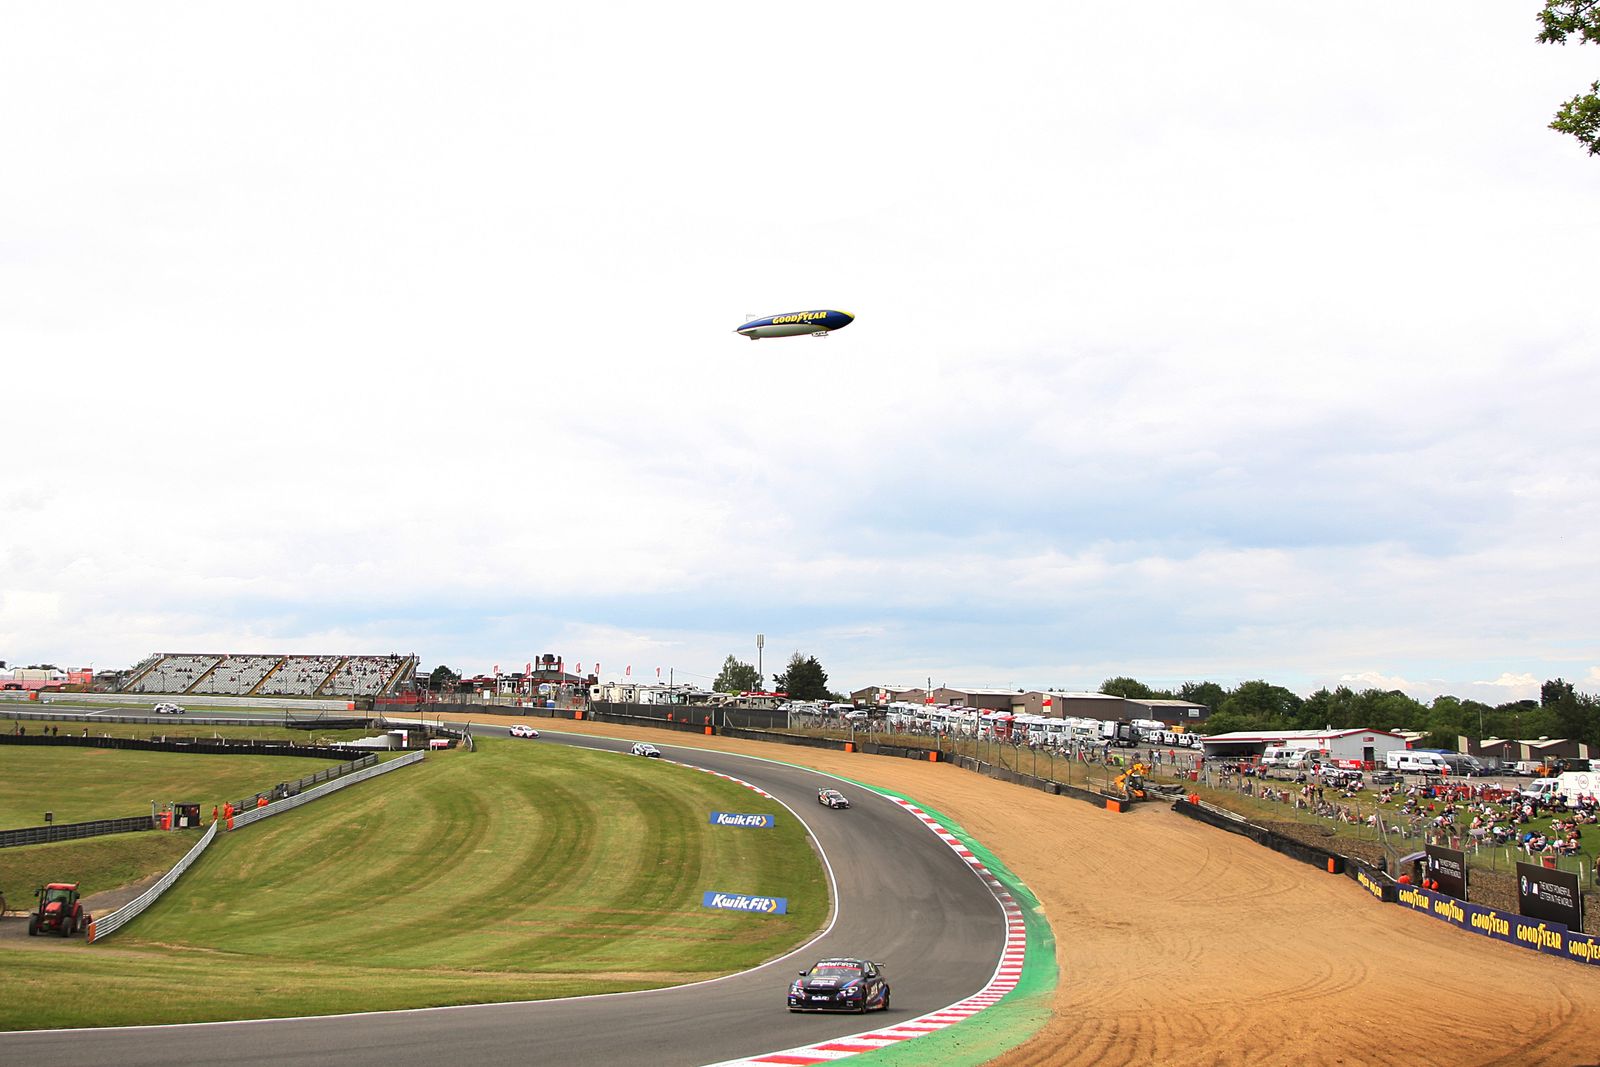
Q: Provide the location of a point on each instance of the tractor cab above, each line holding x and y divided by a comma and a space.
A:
58, 895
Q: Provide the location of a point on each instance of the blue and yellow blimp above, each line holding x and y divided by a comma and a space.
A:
795, 323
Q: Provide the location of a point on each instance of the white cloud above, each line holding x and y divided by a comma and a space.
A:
1235, 348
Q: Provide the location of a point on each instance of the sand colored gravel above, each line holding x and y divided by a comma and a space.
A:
1182, 944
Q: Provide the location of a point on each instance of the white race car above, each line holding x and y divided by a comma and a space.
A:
640, 748
168, 709
832, 798
522, 730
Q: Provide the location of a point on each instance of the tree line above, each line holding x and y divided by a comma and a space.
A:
1560, 711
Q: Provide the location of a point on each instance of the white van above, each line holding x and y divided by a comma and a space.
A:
1410, 762
1285, 756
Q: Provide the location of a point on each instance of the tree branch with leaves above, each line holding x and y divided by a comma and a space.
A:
1560, 20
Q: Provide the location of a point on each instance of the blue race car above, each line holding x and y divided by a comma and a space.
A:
840, 985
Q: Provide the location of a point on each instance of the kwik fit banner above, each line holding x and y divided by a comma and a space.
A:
728, 818
745, 902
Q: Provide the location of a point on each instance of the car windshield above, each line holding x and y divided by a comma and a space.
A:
835, 970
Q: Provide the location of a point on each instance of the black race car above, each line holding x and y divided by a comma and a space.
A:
840, 985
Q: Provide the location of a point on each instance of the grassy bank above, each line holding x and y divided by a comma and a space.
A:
521, 871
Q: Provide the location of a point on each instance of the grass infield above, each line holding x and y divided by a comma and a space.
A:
521, 871
80, 784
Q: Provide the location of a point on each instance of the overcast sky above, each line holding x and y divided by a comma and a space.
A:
1214, 341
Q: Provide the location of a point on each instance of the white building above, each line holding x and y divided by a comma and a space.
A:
1368, 746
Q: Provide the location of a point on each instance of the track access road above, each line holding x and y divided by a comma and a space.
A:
903, 898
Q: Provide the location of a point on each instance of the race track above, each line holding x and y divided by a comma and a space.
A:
904, 899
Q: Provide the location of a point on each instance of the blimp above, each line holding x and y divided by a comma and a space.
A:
796, 323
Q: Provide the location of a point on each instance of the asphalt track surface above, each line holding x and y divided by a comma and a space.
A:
903, 899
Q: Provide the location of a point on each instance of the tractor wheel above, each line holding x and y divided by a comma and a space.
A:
33, 925
65, 929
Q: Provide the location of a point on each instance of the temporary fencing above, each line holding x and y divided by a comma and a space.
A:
108, 924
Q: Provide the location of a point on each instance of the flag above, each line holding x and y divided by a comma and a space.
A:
497, 670
597, 669
627, 672
579, 671
527, 668
658, 674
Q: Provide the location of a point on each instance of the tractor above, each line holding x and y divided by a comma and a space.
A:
59, 910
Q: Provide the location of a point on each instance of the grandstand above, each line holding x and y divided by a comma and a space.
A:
191, 674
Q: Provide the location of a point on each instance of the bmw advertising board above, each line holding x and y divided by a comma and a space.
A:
1548, 894
728, 818
1445, 871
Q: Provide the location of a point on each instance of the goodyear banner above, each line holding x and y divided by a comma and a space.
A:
745, 902
1549, 894
728, 818
1525, 931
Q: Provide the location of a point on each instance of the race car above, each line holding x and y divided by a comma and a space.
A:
840, 985
168, 709
640, 748
832, 798
523, 730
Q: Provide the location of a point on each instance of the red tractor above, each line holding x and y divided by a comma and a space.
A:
59, 910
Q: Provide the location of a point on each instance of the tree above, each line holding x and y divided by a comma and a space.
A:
1208, 693
442, 679
1126, 688
804, 680
1561, 19
1260, 704
737, 677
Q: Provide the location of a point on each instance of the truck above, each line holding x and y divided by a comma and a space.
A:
1563, 788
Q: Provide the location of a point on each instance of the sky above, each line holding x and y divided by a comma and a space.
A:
1201, 342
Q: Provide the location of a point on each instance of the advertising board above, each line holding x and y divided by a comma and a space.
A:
1445, 871
1548, 894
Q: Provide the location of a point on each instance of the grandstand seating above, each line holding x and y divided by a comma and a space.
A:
271, 675
173, 674
363, 675
237, 675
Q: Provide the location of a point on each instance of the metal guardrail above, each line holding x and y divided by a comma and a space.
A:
110, 923
280, 806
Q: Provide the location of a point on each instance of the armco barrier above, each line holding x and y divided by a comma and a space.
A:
278, 807
109, 924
